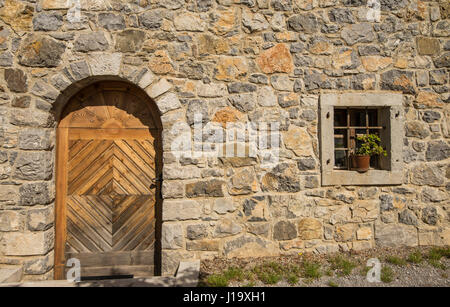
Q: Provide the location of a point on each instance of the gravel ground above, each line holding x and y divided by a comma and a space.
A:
407, 275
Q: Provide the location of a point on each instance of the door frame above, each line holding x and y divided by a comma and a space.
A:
61, 163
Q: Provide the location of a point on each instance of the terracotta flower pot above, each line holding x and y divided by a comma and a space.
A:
362, 163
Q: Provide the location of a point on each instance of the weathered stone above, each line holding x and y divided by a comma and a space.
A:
87, 42
105, 63
39, 265
306, 23
224, 20
254, 22
223, 205
284, 230
345, 58
431, 116
33, 166
168, 102
306, 163
16, 80
341, 15
243, 102
427, 175
427, 46
17, 14
441, 28
249, 246
282, 83
358, 33
375, 63
433, 195
151, 19
129, 40
111, 21
6, 59
203, 245
181, 210
430, 215
47, 21
227, 227
428, 99
276, 59
255, 209
9, 195
40, 219
282, 178
36, 193
416, 129
34, 139
189, 22
437, 151
241, 87
443, 60
438, 76
310, 228
243, 182
391, 235
407, 217
266, 97
345, 232
225, 116
211, 188
196, 231
27, 244
10, 220
172, 236
40, 51
231, 68
364, 233
298, 140
259, 229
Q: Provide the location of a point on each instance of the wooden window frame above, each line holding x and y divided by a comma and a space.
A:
390, 118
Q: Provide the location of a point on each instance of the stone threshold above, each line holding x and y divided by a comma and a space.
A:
187, 276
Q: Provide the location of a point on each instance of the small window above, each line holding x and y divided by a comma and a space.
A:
349, 123
344, 117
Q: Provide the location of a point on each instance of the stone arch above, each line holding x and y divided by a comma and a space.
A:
78, 75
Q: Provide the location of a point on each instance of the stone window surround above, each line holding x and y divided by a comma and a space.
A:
394, 173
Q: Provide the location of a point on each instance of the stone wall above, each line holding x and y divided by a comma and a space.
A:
231, 61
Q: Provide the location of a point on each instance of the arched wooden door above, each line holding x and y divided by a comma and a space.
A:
108, 161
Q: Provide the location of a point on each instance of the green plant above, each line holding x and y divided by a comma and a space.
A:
437, 264
387, 274
396, 260
292, 279
415, 257
217, 280
332, 284
311, 270
437, 253
370, 145
234, 273
344, 266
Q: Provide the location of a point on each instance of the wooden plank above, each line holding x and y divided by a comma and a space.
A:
109, 134
134, 270
114, 258
60, 200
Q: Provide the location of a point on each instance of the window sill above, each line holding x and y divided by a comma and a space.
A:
371, 177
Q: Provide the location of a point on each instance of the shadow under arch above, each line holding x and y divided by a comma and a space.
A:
75, 99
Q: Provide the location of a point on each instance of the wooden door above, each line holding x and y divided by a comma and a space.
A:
108, 162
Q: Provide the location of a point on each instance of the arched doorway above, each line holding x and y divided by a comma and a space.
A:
108, 165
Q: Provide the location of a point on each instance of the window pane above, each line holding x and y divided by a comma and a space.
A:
340, 138
340, 159
373, 120
358, 117
340, 117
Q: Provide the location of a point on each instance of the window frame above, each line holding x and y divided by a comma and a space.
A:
392, 170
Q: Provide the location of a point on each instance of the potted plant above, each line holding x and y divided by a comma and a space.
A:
369, 146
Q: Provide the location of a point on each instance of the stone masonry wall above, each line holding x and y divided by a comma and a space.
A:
231, 61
